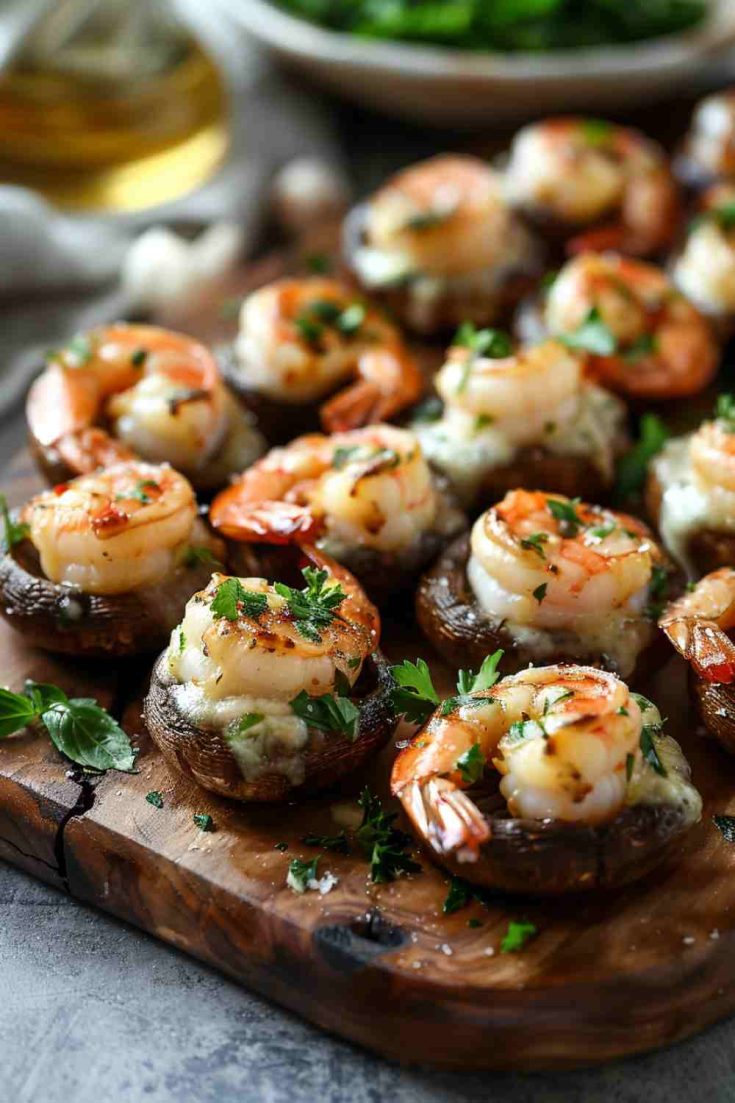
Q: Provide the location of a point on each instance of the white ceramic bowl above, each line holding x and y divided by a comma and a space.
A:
430, 84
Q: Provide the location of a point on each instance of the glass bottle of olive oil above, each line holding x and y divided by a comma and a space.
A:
111, 105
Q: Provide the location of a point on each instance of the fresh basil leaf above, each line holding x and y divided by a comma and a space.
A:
16, 712
88, 735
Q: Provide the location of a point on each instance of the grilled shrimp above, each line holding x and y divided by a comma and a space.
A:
301, 339
371, 487
644, 339
534, 397
115, 530
566, 741
607, 185
700, 624
159, 391
705, 269
576, 578
263, 650
443, 231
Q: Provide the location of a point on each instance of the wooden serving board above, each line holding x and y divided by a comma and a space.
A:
380, 965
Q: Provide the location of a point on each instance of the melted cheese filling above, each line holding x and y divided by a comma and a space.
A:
647, 786
464, 449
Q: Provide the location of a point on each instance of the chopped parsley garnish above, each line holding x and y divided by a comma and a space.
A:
427, 220
657, 590
194, 555
725, 411
535, 543
339, 843
414, 695
471, 764
491, 343
314, 607
181, 638
318, 263
540, 592
724, 216
310, 330
14, 532
648, 747
632, 467
518, 934
523, 729
203, 821
566, 515
247, 721
459, 895
80, 348
468, 683
139, 358
327, 713
280, 846
78, 727
381, 842
596, 131
300, 874
378, 458
474, 923
602, 531
629, 763
229, 308
591, 336
483, 421
323, 313
643, 346
154, 798
232, 600
726, 826
428, 411
139, 492
351, 318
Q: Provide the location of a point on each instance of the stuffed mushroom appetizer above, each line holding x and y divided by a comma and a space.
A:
521, 417
440, 244
268, 690
643, 338
104, 564
123, 392
690, 493
367, 498
704, 269
549, 579
589, 185
701, 625
592, 793
708, 151
311, 355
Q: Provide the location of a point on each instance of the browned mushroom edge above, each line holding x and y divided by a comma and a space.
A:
280, 422
450, 617
448, 310
204, 755
707, 549
63, 618
549, 857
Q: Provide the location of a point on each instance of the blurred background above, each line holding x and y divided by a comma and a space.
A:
145, 145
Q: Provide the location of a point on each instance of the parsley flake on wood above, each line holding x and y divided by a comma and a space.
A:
13, 532
314, 607
204, 821
459, 896
518, 934
78, 727
381, 842
280, 846
231, 595
726, 826
414, 695
337, 843
155, 798
327, 713
300, 874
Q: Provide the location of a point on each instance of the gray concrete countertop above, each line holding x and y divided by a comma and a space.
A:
93, 1011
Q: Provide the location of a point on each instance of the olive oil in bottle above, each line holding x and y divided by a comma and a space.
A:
110, 105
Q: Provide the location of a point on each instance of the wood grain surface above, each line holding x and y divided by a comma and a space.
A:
379, 964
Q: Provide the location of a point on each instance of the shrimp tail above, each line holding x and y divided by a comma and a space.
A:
388, 382
264, 522
708, 649
445, 816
